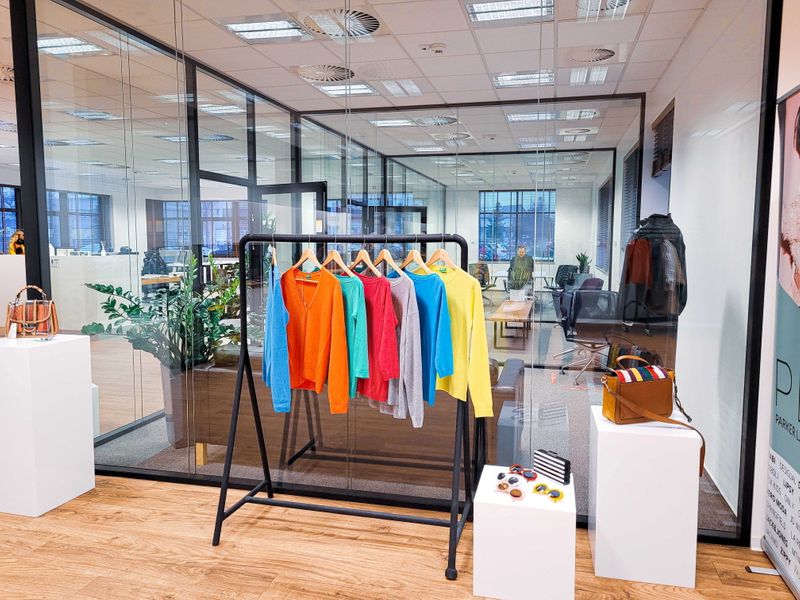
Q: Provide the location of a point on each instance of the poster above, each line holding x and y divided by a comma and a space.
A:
782, 538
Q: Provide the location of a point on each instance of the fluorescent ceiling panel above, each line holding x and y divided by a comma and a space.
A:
67, 46
401, 87
482, 12
351, 89
393, 123
532, 116
523, 78
268, 30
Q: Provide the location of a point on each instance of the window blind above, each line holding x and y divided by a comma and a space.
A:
630, 195
662, 134
604, 226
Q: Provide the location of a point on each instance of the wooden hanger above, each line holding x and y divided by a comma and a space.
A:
274, 253
441, 255
336, 258
386, 256
307, 255
363, 257
415, 257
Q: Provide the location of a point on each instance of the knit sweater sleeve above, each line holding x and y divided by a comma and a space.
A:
480, 387
412, 362
338, 370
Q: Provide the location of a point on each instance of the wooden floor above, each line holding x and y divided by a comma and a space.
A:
140, 539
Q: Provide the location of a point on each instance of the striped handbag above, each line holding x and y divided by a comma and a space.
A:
642, 394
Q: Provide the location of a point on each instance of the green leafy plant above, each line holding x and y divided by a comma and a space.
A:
518, 279
179, 326
583, 262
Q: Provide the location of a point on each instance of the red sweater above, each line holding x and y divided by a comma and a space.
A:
384, 362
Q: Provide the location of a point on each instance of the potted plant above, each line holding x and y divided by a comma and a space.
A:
518, 280
179, 326
583, 262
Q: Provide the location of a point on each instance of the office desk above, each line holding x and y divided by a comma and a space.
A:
511, 311
160, 279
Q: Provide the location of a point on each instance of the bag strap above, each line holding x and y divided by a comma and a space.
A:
30, 287
648, 414
44, 301
630, 357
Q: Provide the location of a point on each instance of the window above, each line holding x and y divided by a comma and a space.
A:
168, 224
662, 144
604, 199
8, 215
79, 221
630, 195
509, 219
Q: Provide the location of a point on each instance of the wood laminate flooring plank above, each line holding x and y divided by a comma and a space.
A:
137, 539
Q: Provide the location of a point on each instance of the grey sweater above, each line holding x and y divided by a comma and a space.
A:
405, 393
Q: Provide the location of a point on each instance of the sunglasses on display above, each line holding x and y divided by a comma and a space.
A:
514, 492
528, 474
552, 493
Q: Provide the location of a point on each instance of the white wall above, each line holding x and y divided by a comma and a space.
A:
713, 183
788, 79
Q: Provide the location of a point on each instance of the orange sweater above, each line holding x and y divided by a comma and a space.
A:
316, 335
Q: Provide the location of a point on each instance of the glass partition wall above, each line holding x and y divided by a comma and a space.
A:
156, 166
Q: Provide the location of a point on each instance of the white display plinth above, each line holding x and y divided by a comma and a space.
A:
46, 443
643, 495
523, 548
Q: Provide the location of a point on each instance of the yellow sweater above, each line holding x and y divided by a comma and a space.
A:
470, 349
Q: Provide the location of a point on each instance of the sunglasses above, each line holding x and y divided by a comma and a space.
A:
528, 474
552, 493
514, 492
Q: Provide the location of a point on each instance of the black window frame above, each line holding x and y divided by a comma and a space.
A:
64, 213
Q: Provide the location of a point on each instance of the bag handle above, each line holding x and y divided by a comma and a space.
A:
30, 287
630, 357
643, 412
44, 300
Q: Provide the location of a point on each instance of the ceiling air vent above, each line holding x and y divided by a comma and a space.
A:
451, 137
435, 121
341, 22
593, 55
324, 73
602, 8
6, 74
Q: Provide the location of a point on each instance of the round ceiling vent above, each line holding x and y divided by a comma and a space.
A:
451, 137
576, 131
435, 121
341, 22
6, 74
324, 73
593, 55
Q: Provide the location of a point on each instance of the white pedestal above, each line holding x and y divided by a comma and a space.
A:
643, 494
523, 548
46, 448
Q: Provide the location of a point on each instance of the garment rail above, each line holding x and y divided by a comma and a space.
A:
462, 461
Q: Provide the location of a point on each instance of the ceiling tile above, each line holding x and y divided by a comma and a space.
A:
579, 33
232, 8
142, 12
522, 37
442, 66
381, 47
266, 77
439, 15
673, 5
635, 86
662, 26
652, 50
387, 69
196, 35
649, 70
462, 83
226, 59
287, 93
470, 96
298, 53
528, 60
457, 42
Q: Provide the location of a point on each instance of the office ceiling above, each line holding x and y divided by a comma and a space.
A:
643, 34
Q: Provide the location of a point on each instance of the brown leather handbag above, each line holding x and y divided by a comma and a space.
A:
643, 394
33, 318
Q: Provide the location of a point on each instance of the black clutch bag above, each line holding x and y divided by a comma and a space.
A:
551, 465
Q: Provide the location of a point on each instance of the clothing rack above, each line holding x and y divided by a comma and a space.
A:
461, 443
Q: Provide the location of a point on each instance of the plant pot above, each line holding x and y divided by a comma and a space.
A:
517, 295
583, 269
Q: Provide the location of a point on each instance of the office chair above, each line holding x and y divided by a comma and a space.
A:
562, 300
480, 271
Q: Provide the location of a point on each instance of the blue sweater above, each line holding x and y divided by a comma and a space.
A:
434, 322
275, 363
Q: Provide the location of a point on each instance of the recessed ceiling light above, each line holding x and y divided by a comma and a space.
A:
8, 126
221, 109
393, 123
579, 114
578, 131
66, 46
401, 87
181, 139
536, 143
171, 161
75, 142
545, 160
259, 158
480, 12
535, 116
602, 9
428, 149
464, 174
93, 115
7, 146
268, 30
521, 78
100, 163
352, 89
588, 76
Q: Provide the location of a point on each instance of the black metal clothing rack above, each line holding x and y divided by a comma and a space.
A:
461, 443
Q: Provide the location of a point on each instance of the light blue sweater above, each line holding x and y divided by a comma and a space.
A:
275, 363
